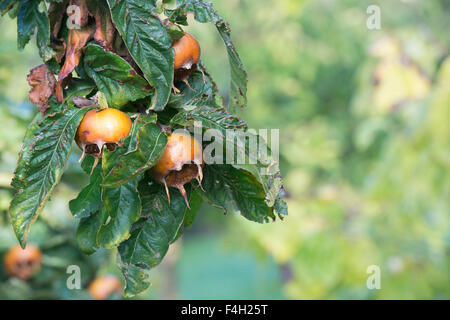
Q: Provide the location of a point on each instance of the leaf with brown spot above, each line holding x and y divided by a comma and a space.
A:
76, 41
56, 12
104, 32
42, 83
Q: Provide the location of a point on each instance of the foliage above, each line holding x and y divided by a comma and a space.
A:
366, 183
120, 56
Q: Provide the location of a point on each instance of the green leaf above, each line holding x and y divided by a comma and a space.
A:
28, 19
110, 158
89, 200
122, 204
151, 142
78, 88
6, 5
195, 202
202, 90
152, 236
149, 44
118, 81
246, 143
86, 236
210, 118
204, 12
41, 164
225, 184
121, 208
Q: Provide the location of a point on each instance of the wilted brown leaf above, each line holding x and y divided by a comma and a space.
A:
56, 13
104, 33
76, 41
42, 83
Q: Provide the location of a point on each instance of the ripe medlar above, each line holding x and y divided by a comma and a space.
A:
187, 56
102, 287
23, 263
100, 128
180, 163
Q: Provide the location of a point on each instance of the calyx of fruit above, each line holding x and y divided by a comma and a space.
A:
186, 57
23, 263
102, 287
100, 128
181, 162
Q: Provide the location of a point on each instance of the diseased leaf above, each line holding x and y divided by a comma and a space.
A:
204, 12
42, 83
104, 32
77, 39
56, 12
46, 150
149, 44
114, 77
152, 236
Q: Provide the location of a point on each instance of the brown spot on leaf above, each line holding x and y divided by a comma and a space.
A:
42, 83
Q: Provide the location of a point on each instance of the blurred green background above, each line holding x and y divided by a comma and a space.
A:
365, 152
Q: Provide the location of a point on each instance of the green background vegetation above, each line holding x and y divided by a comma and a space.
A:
365, 151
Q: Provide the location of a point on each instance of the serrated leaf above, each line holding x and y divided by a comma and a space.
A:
46, 151
225, 184
204, 12
201, 90
122, 204
151, 237
121, 207
149, 44
89, 199
237, 142
114, 77
210, 118
28, 19
151, 142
